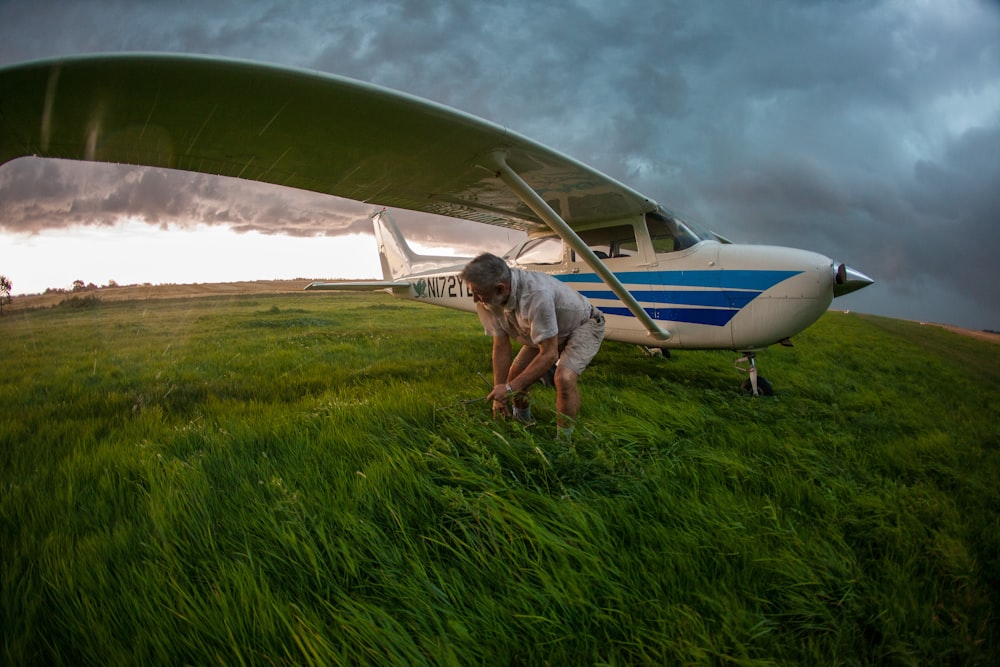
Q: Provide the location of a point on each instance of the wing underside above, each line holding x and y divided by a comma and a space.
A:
294, 128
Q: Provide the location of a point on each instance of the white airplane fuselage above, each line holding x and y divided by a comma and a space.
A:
708, 295
748, 305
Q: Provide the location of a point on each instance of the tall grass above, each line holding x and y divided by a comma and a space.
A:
291, 480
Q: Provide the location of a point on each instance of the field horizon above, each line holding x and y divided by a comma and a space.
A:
294, 478
289, 286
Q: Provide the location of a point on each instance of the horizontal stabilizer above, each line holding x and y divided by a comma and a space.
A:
365, 286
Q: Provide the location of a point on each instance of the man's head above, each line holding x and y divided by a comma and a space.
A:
488, 277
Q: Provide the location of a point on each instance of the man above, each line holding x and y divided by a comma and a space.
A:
554, 324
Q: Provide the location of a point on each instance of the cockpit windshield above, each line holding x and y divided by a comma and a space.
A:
670, 233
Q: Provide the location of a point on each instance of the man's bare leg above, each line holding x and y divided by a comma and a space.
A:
567, 401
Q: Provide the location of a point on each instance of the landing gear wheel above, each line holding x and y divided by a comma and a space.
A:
764, 387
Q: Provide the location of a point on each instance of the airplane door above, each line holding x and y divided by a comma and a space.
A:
689, 293
628, 258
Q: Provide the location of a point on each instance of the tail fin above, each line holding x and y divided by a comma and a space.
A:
398, 260
393, 251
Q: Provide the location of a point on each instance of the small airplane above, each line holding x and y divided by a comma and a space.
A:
662, 283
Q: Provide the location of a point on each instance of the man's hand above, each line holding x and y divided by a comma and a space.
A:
501, 357
501, 404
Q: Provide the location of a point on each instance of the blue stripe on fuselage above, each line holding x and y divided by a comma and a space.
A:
716, 317
709, 298
726, 294
741, 279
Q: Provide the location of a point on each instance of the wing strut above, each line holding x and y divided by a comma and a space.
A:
566, 233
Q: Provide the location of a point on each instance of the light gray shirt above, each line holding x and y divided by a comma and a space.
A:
539, 308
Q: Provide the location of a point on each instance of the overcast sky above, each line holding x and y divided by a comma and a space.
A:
866, 131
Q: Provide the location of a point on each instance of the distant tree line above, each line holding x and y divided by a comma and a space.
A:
5, 287
81, 286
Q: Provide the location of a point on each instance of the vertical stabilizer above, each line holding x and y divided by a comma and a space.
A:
393, 251
398, 260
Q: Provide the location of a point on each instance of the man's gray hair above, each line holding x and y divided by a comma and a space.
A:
486, 271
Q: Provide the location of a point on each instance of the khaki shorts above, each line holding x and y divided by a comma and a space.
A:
577, 351
583, 344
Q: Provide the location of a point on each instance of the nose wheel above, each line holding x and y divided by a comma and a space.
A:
754, 384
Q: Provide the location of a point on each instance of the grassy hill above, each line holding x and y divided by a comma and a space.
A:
144, 292
292, 479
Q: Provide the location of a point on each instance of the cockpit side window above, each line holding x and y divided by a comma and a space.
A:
611, 242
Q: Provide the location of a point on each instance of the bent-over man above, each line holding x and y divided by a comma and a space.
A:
554, 324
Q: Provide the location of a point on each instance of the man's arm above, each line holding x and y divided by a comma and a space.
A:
548, 354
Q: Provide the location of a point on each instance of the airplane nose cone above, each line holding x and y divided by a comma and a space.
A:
847, 280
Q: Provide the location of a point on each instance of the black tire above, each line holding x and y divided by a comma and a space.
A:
764, 387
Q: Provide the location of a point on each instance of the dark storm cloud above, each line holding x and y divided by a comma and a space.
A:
46, 194
957, 235
863, 130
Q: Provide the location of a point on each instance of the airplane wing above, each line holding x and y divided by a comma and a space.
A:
310, 131
295, 128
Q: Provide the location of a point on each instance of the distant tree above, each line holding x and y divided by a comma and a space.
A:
79, 285
5, 287
112, 284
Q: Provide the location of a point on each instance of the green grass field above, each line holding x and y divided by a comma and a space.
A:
287, 480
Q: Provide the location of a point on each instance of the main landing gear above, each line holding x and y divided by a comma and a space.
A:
755, 384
